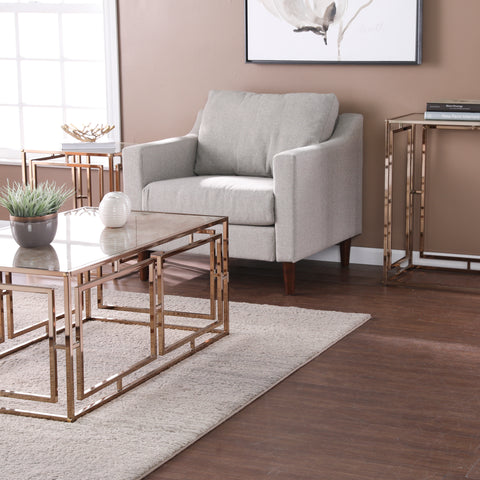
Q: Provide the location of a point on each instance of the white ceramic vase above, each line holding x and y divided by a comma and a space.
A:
114, 209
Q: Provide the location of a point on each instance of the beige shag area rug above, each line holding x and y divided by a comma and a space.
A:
137, 432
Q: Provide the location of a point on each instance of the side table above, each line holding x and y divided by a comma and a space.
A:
87, 159
415, 185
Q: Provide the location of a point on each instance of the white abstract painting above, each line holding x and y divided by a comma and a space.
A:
350, 31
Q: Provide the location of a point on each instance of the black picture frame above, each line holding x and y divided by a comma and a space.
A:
348, 32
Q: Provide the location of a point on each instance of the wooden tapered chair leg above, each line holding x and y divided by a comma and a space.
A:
345, 247
289, 277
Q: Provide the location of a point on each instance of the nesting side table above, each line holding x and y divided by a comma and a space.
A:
88, 160
415, 185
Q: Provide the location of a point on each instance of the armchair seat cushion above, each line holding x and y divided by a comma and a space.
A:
245, 200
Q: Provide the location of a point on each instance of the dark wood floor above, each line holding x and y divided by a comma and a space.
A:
399, 398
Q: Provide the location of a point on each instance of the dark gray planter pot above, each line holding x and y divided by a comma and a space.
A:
34, 231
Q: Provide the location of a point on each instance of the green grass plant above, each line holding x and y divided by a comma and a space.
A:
25, 201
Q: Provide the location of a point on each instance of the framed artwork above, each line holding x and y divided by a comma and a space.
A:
334, 31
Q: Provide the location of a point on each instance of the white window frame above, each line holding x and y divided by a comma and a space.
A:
112, 73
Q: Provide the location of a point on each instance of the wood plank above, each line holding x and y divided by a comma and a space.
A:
398, 398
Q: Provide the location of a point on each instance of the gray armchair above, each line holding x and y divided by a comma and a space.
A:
286, 170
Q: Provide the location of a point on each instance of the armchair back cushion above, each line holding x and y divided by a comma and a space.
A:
240, 132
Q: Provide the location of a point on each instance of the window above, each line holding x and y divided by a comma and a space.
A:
58, 64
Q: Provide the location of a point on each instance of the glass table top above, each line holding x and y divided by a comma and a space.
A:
87, 148
82, 240
418, 119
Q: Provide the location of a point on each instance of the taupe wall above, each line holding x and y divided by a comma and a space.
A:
174, 51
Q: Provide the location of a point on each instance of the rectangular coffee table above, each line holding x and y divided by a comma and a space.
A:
87, 259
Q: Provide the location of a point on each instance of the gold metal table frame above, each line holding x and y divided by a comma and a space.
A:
77, 161
415, 186
78, 285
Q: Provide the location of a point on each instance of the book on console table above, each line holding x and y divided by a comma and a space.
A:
92, 147
454, 106
462, 116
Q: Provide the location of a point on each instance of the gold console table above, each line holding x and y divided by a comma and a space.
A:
88, 159
415, 186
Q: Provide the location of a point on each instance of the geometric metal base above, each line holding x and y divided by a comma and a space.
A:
413, 182
78, 310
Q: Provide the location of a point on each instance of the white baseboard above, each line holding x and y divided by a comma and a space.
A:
360, 255
374, 256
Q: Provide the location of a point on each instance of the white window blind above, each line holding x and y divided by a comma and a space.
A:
58, 64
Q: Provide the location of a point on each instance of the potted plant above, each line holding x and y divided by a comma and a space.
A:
33, 211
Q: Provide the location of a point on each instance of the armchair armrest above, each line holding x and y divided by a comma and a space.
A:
318, 192
149, 162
